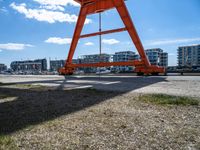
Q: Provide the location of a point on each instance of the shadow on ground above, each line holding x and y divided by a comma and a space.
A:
34, 106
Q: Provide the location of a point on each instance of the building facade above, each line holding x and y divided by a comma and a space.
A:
3, 67
189, 56
124, 56
95, 58
157, 56
43, 63
29, 65
23, 66
89, 59
56, 64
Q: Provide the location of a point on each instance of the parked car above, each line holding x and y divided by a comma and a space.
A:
103, 71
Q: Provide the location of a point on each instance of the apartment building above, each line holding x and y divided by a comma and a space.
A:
95, 58
124, 56
29, 65
189, 55
157, 56
56, 64
23, 66
43, 64
3, 67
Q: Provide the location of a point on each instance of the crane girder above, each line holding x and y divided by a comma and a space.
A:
97, 6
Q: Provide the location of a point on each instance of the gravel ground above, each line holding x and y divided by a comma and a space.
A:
52, 118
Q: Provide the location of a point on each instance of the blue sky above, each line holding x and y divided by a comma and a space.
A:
31, 29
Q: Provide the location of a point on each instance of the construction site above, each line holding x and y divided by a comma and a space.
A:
147, 109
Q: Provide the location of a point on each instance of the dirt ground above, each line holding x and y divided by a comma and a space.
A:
48, 118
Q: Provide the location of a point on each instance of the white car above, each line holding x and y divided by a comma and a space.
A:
103, 72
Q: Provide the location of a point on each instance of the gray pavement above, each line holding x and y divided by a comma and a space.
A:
173, 85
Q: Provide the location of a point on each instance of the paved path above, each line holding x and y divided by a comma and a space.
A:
173, 85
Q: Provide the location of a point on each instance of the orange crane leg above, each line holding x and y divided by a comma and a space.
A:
96, 6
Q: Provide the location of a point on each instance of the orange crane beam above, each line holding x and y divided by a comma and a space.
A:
96, 6
105, 64
103, 32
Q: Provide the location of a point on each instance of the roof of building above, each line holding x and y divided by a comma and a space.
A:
193, 45
123, 52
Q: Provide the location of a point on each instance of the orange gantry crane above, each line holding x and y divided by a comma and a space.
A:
88, 7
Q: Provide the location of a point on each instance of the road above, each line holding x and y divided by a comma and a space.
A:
172, 85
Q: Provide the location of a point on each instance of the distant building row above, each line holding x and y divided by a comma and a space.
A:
156, 57
188, 56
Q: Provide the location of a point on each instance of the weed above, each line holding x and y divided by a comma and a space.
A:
2, 96
163, 99
6, 142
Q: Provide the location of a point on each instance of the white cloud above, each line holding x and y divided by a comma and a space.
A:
4, 10
174, 41
52, 7
57, 2
110, 41
14, 46
58, 40
46, 15
89, 44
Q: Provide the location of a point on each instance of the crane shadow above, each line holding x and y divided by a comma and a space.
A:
36, 105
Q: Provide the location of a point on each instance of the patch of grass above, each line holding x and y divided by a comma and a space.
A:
163, 99
29, 86
91, 89
6, 142
2, 96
